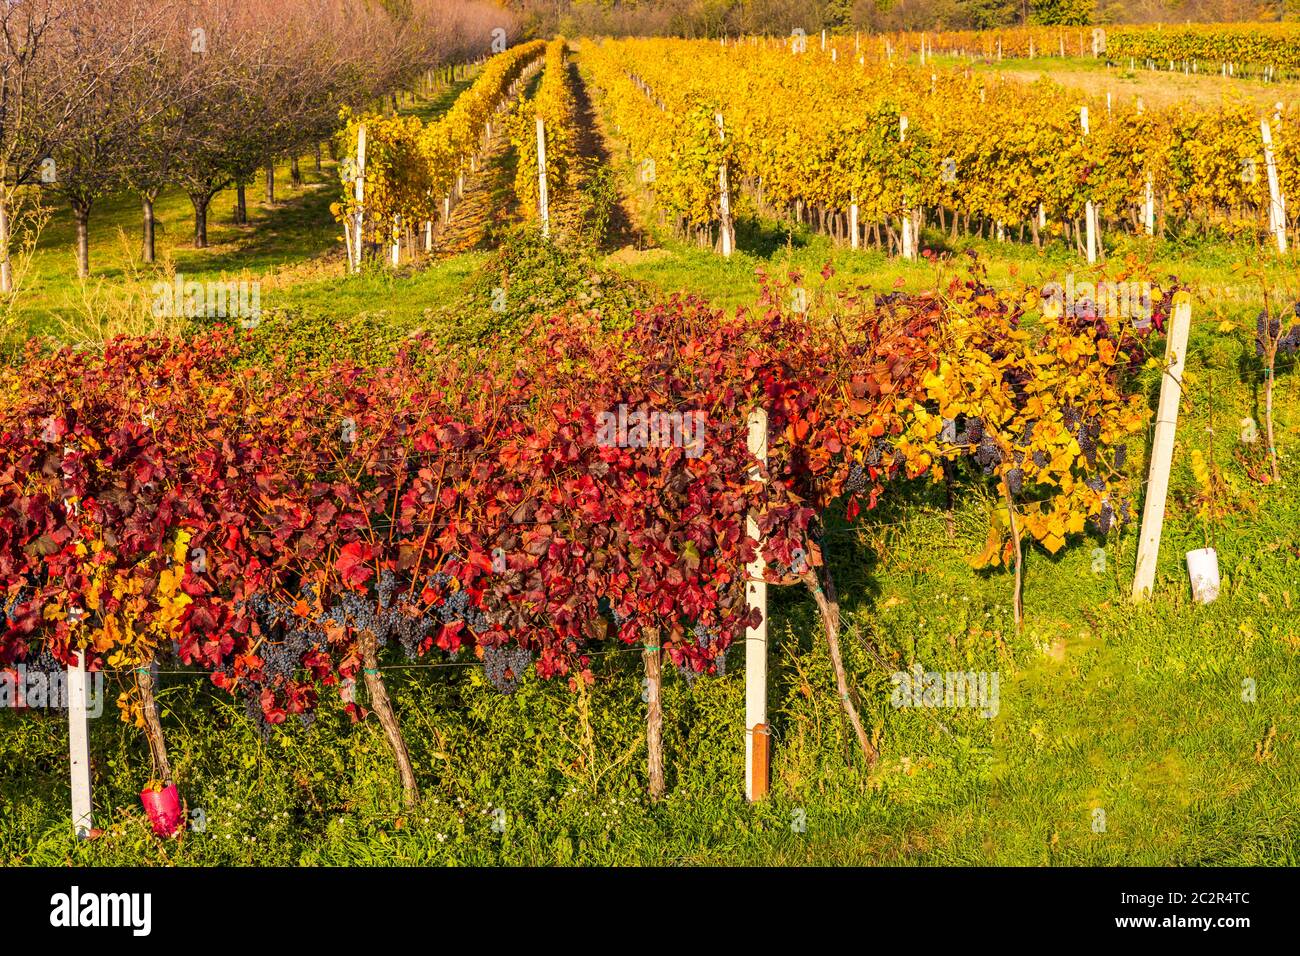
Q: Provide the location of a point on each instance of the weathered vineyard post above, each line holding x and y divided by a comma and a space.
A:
756, 751
359, 195
543, 202
1162, 447
908, 225
1090, 209
1276, 201
79, 748
726, 227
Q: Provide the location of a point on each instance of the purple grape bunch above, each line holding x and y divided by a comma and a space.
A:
857, 480
971, 433
705, 637
987, 455
1267, 331
504, 666
1086, 433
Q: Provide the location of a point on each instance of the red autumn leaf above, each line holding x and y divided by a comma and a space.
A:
352, 563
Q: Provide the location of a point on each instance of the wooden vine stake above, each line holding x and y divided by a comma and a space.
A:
1148, 191
909, 219
543, 200
756, 752
79, 748
726, 227
1277, 202
1162, 447
1090, 210
359, 195
652, 656
853, 221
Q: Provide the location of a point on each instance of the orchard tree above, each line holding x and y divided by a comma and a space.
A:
111, 57
40, 101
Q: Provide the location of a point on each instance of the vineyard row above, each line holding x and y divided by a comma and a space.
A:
810, 134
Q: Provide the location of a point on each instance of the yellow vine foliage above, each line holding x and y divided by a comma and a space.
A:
1034, 393
804, 128
554, 105
411, 165
1254, 44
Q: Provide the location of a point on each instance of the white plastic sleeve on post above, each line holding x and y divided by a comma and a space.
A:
755, 597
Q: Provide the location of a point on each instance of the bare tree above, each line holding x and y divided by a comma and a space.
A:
39, 103
108, 58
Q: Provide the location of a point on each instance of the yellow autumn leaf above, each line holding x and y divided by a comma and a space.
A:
1053, 542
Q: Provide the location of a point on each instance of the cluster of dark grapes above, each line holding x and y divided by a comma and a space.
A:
704, 638
1082, 309
1121, 455
1108, 517
857, 479
890, 298
455, 606
396, 619
1087, 433
281, 653
283, 658
504, 666
972, 433
45, 662
987, 455
269, 612
877, 451
1287, 345
356, 611
298, 635
11, 609
253, 708
1015, 479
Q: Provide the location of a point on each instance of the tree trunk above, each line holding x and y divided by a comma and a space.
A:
318, 157
654, 722
153, 725
241, 205
383, 709
829, 606
200, 204
147, 231
270, 182
295, 174
82, 216
6, 265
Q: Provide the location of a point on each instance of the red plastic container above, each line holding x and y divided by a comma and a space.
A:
163, 807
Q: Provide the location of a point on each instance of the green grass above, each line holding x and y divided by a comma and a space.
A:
298, 228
